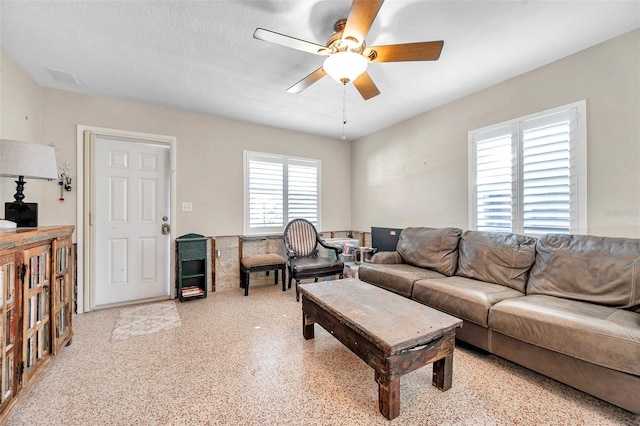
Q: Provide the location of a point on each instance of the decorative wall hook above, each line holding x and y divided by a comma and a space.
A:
67, 182
64, 181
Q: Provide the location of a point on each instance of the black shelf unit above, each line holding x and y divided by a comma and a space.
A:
192, 267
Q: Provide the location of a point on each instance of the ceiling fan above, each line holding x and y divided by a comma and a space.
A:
347, 53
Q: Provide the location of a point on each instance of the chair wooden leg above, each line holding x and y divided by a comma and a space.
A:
297, 291
246, 282
275, 281
284, 273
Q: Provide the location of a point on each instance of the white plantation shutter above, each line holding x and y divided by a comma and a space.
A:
266, 192
303, 191
494, 166
278, 189
528, 176
548, 173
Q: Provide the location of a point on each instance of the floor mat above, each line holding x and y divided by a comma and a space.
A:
146, 319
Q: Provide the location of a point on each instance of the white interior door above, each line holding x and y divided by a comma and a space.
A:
132, 203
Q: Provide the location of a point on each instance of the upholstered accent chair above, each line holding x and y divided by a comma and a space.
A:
301, 241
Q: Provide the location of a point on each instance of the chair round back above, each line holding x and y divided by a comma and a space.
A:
300, 237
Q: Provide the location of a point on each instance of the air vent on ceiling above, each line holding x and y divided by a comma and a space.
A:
64, 76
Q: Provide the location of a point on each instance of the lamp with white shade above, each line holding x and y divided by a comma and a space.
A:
25, 160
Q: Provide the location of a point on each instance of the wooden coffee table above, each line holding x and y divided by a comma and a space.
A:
392, 334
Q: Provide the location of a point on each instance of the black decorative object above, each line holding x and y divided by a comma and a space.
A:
19, 195
25, 215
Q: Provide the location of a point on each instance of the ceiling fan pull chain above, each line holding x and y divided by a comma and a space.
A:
344, 109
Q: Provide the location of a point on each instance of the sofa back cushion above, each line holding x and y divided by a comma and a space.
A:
432, 248
591, 269
499, 258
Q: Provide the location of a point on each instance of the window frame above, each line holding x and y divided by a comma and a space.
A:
578, 158
285, 160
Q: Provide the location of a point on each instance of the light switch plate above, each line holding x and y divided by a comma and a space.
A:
187, 206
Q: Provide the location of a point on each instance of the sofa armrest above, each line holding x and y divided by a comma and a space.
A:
387, 257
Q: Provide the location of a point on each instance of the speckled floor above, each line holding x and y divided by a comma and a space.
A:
242, 361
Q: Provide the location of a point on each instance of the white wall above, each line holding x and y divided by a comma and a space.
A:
415, 173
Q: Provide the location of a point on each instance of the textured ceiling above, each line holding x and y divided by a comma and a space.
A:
201, 56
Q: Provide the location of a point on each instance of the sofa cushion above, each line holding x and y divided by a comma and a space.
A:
462, 297
499, 258
396, 278
433, 248
605, 336
587, 268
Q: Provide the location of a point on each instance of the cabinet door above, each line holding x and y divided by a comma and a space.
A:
36, 324
9, 267
61, 293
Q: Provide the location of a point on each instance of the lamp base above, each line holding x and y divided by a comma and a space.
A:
25, 215
19, 195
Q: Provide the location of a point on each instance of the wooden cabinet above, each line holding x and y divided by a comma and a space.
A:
8, 326
62, 304
35, 306
192, 267
36, 324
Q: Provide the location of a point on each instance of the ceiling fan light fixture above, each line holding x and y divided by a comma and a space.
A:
344, 67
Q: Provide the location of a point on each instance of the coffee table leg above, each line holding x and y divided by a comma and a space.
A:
388, 395
443, 373
307, 327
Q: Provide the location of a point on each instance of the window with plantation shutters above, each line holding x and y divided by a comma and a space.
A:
278, 189
528, 175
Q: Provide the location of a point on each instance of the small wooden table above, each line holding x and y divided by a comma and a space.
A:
392, 334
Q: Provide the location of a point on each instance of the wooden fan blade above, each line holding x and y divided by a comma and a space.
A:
288, 41
421, 51
366, 86
307, 81
361, 16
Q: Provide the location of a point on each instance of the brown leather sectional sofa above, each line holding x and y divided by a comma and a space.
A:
566, 306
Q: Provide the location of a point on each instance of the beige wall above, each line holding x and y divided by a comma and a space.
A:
209, 157
20, 119
415, 173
